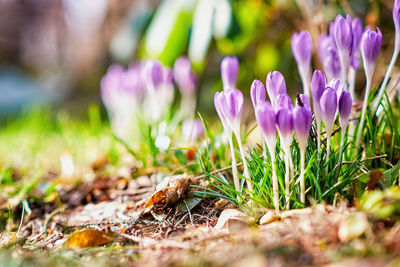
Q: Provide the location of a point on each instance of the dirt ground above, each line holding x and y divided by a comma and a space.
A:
116, 222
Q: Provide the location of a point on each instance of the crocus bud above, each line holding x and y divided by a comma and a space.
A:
192, 129
329, 56
343, 35
184, 76
301, 44
302, 119
344, 105
357, 31
275, 86
132, 82
229, 72
396, 17
231, 105
371, 42
110, 86
318, 84
283, 101
257, 93
153, 74
218, 107
265, 116
328, 104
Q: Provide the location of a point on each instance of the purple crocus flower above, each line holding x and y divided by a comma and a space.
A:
342, 34
371, 42
328, 103
230, 106
153, 74
257, 93
302, 119
275, 86
265, 116
336, 85
229, 72
344, 106
184, 76
318, 84
192, 129
329, 56
301, 44
110, 85
132, 82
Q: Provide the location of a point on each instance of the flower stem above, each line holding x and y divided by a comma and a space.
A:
287, 179
234, 165
302, 176
306, 83
352, 82
246, 170
274, 179
387, 75
328, 148
364, 108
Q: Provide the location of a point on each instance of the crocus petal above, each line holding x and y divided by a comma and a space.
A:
318, 84
284, 121
257, 93
153, 74
275, 85
283, 101
302, 119
344, 105
265, 116
371, 43
328, 105
305, 101
184, 76
301, 44
229, 72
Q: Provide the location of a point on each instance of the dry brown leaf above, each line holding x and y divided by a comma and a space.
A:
169, 192
89, 238
230, 215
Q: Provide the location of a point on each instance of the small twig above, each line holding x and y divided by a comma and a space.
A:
22, 219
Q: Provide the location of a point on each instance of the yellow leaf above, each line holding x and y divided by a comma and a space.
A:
89, 238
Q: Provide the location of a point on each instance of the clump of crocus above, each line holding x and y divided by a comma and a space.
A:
328, 103
229, 105
186, 81
302, 119
396, 50
371, 43
229, 72
301, 44
266, 119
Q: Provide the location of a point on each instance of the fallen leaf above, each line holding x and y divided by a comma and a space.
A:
89, 238
189, 202
169, 192
232, 215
